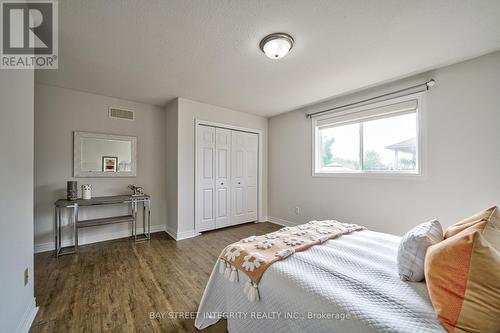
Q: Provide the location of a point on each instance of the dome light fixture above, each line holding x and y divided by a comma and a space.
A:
276, 45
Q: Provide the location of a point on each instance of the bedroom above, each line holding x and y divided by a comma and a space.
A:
357, 141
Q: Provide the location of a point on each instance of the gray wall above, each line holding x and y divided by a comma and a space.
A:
188, 112
172, 128
16, 198
59, 112
461, 161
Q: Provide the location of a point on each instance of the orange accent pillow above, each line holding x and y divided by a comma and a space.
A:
463, 277
479, 218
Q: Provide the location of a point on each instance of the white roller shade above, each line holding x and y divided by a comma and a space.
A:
370, 114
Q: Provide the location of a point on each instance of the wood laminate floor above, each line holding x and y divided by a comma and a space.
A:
114, 286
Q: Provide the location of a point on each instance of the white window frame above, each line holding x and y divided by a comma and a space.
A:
315, 161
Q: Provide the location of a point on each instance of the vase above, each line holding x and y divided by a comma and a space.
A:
71, 190
86, 192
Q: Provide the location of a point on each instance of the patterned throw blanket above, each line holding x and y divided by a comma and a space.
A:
253, 255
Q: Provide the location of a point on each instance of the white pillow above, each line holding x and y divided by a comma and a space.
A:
412, 249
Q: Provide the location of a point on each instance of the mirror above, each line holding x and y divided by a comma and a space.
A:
104, 155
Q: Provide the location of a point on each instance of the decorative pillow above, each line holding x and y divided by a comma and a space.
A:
463, 278
412, 249
479, 218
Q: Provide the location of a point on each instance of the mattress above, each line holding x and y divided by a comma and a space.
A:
349, 284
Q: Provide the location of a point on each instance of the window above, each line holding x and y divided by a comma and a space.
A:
379, 138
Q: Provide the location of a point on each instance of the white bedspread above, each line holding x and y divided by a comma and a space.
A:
353, 280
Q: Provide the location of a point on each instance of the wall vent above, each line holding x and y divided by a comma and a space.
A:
121, 114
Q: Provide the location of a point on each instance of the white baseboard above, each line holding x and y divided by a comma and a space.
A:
181, 235
43, 247
263, 219
171, 232
28, 317
282, 222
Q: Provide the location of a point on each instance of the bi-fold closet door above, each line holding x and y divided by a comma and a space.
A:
227, 174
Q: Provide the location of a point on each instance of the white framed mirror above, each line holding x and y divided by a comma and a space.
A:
104, 155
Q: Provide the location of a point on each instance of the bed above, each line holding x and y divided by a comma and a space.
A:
348, 284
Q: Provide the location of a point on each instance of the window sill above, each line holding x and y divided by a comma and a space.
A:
370, 175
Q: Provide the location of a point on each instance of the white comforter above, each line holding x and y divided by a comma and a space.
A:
349, 284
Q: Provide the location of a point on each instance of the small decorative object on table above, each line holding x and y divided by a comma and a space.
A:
136, 190
72, 190
86, 192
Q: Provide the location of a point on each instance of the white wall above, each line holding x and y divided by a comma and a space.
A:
461, 164
17, 305
59, 112
188, 112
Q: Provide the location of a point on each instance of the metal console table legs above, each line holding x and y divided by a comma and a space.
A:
134, 201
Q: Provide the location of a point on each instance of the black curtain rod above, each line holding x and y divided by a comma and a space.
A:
427, 85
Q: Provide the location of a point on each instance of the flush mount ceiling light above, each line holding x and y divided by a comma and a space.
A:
276, 45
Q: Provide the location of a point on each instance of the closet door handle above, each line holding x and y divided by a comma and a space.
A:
222, 183
239, 183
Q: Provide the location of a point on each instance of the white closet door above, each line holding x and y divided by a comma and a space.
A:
222, 177
244, 177
206, 178
252, 144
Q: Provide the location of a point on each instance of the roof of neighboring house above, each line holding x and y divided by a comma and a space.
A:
406, 146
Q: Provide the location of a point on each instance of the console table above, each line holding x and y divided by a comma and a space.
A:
75, 205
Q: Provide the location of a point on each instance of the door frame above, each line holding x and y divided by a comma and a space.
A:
201, 122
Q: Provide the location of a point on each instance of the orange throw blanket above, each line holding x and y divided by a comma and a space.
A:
253, 255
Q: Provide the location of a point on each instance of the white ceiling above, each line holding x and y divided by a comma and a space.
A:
207, 50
